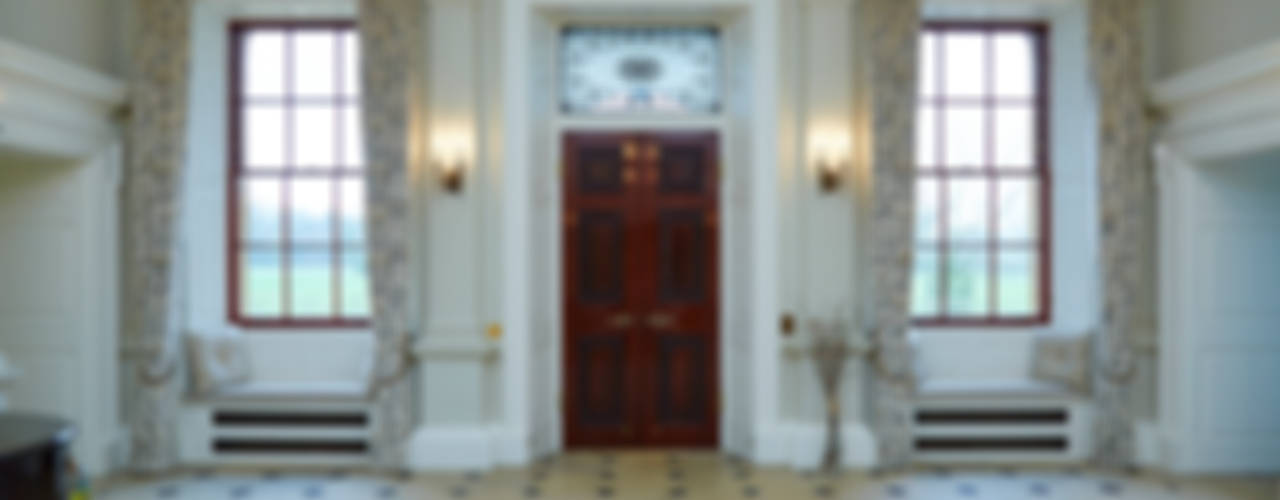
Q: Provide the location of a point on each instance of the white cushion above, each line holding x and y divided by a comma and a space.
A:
309, 356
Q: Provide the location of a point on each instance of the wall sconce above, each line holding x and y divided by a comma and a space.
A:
451, 175
450, 158
830, 152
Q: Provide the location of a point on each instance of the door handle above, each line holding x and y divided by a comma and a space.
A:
658, 320
620, 320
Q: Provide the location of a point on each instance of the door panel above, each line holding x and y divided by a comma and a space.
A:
683, 168
600, 241
682, 299
682, 259
601, 381
641, 294
681, 397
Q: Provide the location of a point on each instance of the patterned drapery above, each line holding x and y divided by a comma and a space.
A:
156, 149
890, 34
392, 56
1126, 193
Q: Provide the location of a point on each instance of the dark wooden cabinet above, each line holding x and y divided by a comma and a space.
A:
641, 289
33, 455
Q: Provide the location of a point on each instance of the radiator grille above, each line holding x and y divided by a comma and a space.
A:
991, 416
226, 445
259, 418
290, 432
960, 433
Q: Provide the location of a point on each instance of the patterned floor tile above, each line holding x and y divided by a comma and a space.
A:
692, 475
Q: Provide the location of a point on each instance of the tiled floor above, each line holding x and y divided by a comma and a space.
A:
684, 475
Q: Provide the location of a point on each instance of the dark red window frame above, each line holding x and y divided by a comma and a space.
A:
237, 171
1041, 171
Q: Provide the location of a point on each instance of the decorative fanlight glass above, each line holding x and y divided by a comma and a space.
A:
636, 69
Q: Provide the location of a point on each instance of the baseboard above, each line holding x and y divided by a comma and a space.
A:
452, 448
1146, 444
800, 445
511, 446
1201, 455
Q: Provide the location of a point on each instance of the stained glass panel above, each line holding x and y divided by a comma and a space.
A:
640, 69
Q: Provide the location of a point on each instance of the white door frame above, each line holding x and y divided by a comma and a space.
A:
530, 255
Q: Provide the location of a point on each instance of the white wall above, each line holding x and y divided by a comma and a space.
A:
57, 320
1193, 32
1219, 351
86, 32
817, 230
459, 258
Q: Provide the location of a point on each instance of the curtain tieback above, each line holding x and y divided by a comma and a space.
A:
158, 371
1119, 372
404, 360
880, 362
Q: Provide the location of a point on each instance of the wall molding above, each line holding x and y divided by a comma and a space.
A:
800, 445
49, 107
465, 447
1225, 108
453, 347
1219, 74
461, 447
1206, 351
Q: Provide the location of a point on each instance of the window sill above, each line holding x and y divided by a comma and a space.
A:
1028, 323
300, 332
930, 330
990, 388
317, 326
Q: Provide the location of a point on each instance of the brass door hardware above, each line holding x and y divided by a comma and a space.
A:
659, 320
629, 151
620, 320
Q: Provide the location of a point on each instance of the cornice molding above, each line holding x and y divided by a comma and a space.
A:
1218, 75
27, 65
54, 108
1227, 107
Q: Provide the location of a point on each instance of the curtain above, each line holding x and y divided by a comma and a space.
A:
1126, 193
392, 46
890, 32
156, 147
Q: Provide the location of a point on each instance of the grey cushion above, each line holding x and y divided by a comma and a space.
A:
1063, 359
217, 362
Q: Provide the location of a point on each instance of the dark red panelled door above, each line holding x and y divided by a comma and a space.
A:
640, 284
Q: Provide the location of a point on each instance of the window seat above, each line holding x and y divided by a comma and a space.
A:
991, 388
286, 391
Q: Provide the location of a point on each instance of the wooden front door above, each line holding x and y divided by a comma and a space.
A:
640, 283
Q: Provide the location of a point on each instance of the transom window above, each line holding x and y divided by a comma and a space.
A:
621, 69
982, 235
296, 192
